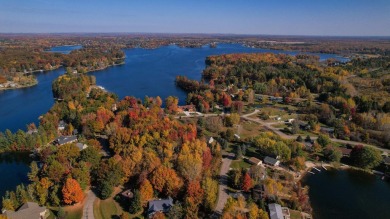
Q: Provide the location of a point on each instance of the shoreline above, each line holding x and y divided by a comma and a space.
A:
20, 87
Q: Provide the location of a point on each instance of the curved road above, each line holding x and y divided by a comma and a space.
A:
285, 136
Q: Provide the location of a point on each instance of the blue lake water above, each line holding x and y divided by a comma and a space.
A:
348, 194
149, 72
65, 49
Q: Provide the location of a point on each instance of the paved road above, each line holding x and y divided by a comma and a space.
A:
285, 136
88, 206
223, 180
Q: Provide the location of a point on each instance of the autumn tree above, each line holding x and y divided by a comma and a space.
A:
171, 104
246, 183
166, 181
146, 191
72, 192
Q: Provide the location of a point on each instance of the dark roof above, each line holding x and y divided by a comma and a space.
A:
270, 160
66, 139
386, 160
28, 210
61, 124
162, 205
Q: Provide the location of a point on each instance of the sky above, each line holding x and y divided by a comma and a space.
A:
268, 17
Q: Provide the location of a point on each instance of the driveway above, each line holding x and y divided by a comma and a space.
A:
223, 180
88, 206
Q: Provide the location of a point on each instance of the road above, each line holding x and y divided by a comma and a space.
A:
285, 136
88, 205
223, 180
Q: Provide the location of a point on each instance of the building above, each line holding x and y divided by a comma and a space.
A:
187, 108
278, 212
254, 161
81, 146
346, 152
271, 161
162, 205
66, 139
61, 125
211, 140
29, 210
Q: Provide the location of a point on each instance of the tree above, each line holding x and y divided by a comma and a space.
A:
34, 170
72, 192
323, 140
90, 155
176, 211
136, 205
171, 104
146, 191
210, 188
253, 211
299, 139
366, 157
332, 154
294, 127
246, 183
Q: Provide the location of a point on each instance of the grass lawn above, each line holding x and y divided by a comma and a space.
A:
74, 212
295, 214
238, 164
250, 129
107, 209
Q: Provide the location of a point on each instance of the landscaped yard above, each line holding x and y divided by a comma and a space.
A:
238, 164
107, 209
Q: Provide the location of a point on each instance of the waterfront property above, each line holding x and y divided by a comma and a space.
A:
66, 140
28, 210
276, 211
271, 161
162, 205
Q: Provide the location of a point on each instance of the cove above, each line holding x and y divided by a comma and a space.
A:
13, 168
348, 194
149, 72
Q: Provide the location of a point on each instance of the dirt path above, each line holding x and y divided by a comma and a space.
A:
223, 180
88, 206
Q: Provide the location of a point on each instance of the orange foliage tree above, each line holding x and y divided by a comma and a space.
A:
72, 192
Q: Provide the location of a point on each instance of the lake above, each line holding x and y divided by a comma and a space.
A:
348, 194
149, 72
13, 168
65, 49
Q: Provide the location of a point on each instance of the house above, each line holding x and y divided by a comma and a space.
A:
271, 161
187, 108
229, 155
254, 161
211, 140
66, 139
81, 146
386, 160
278, 212
29, 210
346, 152
327, 130
33, 131
308, 145
61, 125
162, 205
127, 194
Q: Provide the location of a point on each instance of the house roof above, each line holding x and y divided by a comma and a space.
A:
270, 160
345, 151
28, 210
386, 160
254, 160
275, 211
66, 139
81, 146
160, 205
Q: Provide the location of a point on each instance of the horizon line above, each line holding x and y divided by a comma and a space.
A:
211, 34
